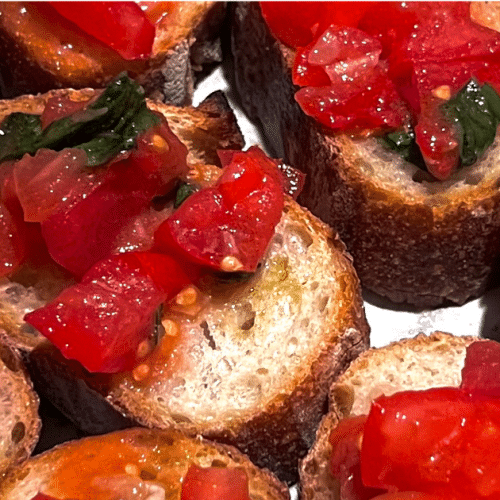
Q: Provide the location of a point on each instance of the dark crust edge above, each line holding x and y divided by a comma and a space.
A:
408, 252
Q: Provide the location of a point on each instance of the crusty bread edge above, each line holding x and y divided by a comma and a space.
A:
316, 480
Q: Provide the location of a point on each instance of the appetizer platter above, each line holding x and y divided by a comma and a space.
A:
230, 250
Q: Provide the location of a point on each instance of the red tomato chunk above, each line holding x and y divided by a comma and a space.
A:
215, 483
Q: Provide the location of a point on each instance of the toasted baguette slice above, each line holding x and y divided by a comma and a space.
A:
151, 463
253, 367
412, 364
203, 129
40, 55
20, 423
412, 240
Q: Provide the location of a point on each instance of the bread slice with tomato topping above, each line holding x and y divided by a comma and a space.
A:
243, 353
63, 44
142, 463
416, 364
18, 410
413, 239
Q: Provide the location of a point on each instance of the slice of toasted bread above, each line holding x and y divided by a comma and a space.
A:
254, 366
39, 55
203, 129
151, 463
412, 239
21, 424
411, 364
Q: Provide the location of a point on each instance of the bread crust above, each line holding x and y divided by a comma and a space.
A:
21, 424
412, 241
177, 453
410, 364
31, 64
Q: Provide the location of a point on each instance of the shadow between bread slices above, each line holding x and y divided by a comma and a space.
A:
252, 368
412, 240
43, 52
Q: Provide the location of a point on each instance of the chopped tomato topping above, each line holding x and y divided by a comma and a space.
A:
42, 496
58, 107
228, 227
437, 441
420, 48
102, 320
215, 483
345, 459
481, 372
122, 26
88, 223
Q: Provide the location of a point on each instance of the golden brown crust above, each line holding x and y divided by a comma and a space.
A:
411, 241
18, 410
38, 57
410, 364
165, 459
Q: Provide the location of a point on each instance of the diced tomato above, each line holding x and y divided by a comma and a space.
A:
44, 181
481, 371
235, 218
438, 139
43, 496
215, 483
345, 459
122, 26
437, 441
297, 23
102, 320
411, 495
375, 106
58, 107
89, 225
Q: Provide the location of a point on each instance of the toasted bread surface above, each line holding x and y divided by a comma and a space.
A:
152, 463
412, 239
40, 56
417, 363
203, 130
21, 424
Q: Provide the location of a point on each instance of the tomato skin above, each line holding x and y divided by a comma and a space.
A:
101, 321
437, 441
481, 371
215, 483
234, 218
345, 459
120, 25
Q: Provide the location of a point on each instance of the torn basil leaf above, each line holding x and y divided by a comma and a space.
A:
105, 127
404, 143
184, 191
476, 112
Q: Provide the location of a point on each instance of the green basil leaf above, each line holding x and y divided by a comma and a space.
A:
184, 191
105, 127
403, 143
17, 133
476, 112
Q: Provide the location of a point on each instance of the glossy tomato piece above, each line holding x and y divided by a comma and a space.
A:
91, 221
233, 220
374, 106
411, 495
437, 441
58, 107
438, 139
481, 371
215, 483
42, 496
296, 24
345, 459
102, 320
122, 26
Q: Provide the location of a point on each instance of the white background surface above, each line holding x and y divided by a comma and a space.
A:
389, 321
